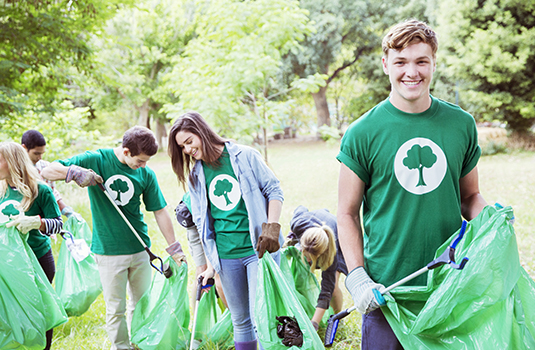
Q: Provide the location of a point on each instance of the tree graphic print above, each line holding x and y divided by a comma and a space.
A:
222, 188
420, 158
119, 186
10, 210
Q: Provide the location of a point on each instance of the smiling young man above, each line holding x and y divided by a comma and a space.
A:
121, 258
410, 164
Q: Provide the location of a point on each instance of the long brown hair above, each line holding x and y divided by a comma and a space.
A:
194, 123
23, 173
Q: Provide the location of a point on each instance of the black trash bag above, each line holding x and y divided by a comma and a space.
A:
289, 331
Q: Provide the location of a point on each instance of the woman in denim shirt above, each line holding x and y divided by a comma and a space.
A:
236, 203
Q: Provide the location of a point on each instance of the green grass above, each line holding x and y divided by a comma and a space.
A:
309, 175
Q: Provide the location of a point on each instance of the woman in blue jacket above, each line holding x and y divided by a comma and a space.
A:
236, 203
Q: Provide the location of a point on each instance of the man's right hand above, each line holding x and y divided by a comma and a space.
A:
82, 176
361, 287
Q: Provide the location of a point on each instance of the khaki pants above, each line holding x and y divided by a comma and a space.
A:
117, 273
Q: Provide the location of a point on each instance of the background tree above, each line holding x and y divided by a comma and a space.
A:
136, 51
40, 40
345, 31
229, 71
490, 55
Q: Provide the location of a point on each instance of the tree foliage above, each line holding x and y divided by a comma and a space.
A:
136, 49
345, 32
229, 71
39, 39
490, 52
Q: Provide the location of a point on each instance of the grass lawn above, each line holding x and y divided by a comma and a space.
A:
309, 175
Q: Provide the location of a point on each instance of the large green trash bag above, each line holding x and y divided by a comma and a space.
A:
77, 283
306, 284
214, 327
490, 304
161, 317
276, 297
29, 306
221, 335
208, 313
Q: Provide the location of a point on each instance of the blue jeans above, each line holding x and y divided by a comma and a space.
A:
239, 279
377, 333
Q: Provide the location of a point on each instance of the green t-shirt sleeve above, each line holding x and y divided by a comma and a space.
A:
45, 204
152, 195
351, 154
85, 160
473, 153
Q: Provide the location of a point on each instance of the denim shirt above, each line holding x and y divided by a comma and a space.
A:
258, 186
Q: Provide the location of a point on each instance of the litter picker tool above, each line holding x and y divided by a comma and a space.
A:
164, 269
446, 258
200, 287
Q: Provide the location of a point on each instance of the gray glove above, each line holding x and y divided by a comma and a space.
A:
361, 287
82, 176
175, 250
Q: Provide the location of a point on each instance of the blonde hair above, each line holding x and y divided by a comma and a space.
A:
409, 32
319, 244
24, 175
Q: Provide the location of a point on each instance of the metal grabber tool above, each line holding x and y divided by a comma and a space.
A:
200, 287
446, 258
164, 269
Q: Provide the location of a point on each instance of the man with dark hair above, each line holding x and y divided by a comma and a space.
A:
411, 164
35, 144
121, 258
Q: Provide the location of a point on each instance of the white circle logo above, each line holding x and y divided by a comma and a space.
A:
120, 188
224, 192
420, 165
10, 207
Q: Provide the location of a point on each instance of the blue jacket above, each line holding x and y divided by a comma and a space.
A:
258, 186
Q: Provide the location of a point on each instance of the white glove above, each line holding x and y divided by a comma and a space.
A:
25, 223
361, 287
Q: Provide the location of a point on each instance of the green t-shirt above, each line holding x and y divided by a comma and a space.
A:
411, 165
111, 235
44, 205
231, 222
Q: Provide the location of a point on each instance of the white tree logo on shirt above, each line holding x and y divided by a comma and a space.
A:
120, 188
8, 208
420, 165
224, 192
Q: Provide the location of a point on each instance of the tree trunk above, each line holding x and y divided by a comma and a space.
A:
161, 134
144, 119
322, 108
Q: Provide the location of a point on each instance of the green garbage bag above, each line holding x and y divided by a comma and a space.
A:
276, 297
298, 275
490, 304
208, 313
77, 282
161, 317
29, 304
221, 335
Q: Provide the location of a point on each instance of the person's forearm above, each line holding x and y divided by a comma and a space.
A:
318, 315
472, 206
274, 210
54, 172
351, 243
166, 226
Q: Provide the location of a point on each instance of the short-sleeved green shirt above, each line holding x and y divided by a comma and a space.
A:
411, 165
111, 235
231, 222
44, 205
